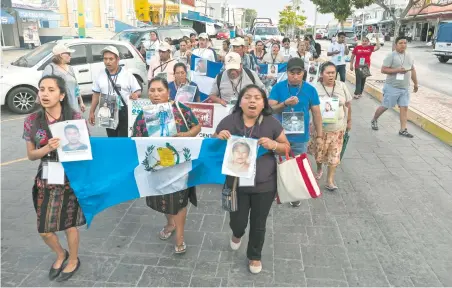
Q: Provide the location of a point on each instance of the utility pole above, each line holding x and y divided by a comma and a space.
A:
362, 27
180, 13
205, 7
315, 22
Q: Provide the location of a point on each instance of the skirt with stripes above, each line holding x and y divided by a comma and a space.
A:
172, 203
56, 206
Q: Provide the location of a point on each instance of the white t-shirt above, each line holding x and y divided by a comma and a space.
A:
152, 49
338, 59
204, 53
125, 81
288, 53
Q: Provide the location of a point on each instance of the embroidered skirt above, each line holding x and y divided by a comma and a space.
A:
172, 203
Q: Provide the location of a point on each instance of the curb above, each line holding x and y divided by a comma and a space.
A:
426, 123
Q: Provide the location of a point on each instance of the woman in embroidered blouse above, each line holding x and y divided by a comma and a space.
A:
56, 206
274, 57
173, 205
180, 79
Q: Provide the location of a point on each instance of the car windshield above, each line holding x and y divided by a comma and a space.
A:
349, 34
224, 31
266, 31
36, 55
129, 36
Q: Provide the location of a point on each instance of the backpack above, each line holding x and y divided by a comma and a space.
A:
248, 72
318, 49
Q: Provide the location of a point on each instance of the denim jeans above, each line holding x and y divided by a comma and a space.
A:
341, 71
299, 147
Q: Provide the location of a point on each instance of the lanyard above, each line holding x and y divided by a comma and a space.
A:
298, 92
234, 88
404, 55
111, 89
250, 131
332, 92
163, 68
274, 59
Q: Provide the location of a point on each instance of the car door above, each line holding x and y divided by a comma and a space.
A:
79, 62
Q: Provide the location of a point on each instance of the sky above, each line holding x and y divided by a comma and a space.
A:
270, 8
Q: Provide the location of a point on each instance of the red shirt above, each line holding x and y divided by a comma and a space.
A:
363, 52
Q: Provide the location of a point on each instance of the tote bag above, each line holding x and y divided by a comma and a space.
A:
295, 180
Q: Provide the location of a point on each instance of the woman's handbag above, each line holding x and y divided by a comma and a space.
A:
364, 71
295, 180
229, 197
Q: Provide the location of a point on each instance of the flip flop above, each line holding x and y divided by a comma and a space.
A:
318, 175
180, 249
165, 235
356, 97
331, 188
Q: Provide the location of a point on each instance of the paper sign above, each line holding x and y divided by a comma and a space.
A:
55, 173
293, 122
45, 170
209, 116
400, 76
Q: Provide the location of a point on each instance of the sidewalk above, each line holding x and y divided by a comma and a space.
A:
389, 224
428, 109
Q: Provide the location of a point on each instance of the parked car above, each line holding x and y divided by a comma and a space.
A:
19, 80
321, 34
373, 38
137, 35
443, 43
351, 39
223, 34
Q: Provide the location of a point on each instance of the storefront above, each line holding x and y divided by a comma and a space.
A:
7, 29
171, 15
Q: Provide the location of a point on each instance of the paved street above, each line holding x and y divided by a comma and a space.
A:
388, 225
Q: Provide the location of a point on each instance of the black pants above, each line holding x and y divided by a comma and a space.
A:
341, 71
123, 128
259, 205
360, 83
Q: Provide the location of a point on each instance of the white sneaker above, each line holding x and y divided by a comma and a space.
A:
235, 246
255, 269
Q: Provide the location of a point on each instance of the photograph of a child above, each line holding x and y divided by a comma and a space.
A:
240, 157
159, 120
293, 122
107, 111
201, 66
329, 109
272, 70
74, 137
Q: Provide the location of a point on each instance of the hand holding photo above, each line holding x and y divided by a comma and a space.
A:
200, 66
240, 157
272, 70
74, 137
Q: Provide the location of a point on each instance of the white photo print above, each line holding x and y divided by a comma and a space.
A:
240, 157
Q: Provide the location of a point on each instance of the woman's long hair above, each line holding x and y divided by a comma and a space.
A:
267, 111
67, 112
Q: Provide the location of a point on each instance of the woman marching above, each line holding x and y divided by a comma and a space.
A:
56, 206
173, 205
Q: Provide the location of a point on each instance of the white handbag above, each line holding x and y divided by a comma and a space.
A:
295, 180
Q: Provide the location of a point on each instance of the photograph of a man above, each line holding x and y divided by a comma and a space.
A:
72, 134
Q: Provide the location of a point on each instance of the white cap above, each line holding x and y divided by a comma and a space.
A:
232, 60
111, 49
60, 49
164, 47
203, 35
238, 41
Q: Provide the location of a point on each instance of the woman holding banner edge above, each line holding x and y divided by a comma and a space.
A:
173, 205
252, 117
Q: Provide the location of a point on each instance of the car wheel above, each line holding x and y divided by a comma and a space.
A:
22, 100
443, 59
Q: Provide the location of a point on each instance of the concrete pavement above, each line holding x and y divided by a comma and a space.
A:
388, 225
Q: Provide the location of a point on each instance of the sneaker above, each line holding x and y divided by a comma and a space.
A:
405, 133
295, 204
235, 246
374, 124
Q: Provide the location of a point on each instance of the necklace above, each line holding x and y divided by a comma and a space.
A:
54, 118
332, 92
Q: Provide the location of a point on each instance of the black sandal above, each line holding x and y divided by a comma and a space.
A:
405, 133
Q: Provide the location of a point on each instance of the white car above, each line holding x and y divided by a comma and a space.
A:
373, 38
19, 79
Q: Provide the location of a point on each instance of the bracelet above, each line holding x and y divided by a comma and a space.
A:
285, 105
276, 146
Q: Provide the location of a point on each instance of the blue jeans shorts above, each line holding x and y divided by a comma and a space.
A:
299, 147
395, 96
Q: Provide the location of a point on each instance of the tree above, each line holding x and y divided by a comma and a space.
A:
288, 20
342, 9
249, 14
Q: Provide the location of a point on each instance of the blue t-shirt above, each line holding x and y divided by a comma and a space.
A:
173, 91
307, 97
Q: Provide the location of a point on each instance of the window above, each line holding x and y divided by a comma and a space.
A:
78, 57
33, 57
124, 52
95, 51
174, 33
187, 32
131, 36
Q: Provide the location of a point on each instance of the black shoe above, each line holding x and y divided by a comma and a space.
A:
374, 124
53, 273
295, 204
405, 133
66, 276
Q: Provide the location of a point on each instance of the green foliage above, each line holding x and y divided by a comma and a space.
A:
342, 9
288, 18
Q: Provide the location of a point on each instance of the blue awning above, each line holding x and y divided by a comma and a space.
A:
6, 18
38, 14
196, 16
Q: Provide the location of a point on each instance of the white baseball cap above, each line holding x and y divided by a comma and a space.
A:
111, 49
60, 49
164, 47
232, 60
238, 41
203, 35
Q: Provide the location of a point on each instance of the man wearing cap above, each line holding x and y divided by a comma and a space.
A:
238, 46
117, 81
203, 51
162, 66
229, 83
183, 54
297, 96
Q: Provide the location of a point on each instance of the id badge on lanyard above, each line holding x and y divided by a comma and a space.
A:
362, 61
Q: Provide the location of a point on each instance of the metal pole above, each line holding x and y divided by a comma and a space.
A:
180, 13
205, 8
362, 27
315, 22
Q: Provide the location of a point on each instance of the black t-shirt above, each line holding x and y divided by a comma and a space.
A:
265, 180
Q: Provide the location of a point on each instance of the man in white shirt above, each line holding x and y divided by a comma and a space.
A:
110, 81
203, 51
337, 51
163, 65
287, 51
183, 54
